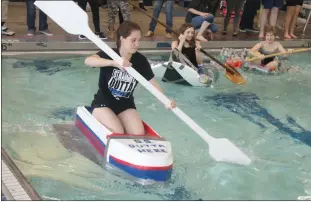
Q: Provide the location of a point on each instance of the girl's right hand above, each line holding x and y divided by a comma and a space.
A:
125, 64
182, 37
262, 56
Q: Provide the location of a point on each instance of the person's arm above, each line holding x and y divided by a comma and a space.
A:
179, 45
146, 71
194, 11
198, 45
97, 61
155, 83
254, 51
282, 50
175, 45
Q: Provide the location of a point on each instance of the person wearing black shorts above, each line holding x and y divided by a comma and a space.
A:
293, 9
113, 103
272, 6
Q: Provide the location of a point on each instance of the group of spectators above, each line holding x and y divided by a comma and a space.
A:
200, 14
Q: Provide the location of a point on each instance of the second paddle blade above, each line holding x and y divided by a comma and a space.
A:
66, 14
224, 150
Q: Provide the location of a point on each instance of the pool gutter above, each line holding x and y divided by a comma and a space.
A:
14, 184
71, 44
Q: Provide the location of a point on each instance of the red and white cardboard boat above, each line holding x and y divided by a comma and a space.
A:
148, 158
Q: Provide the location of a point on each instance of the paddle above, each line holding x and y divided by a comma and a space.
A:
231, 73
77, 23
278, 54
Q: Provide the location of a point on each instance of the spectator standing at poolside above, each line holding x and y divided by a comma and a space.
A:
199, 17
273, 7
293, 9
113, 8
169, 17
213, 6
31, 20
237, 6
4, 14
94, 4
249, 13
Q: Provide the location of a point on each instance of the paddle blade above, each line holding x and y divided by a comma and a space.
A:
224, 150
231, 73
235, 78
73, 21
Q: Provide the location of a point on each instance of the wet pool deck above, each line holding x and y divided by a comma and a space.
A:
62, 41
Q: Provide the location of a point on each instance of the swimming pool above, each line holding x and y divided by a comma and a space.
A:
268, 118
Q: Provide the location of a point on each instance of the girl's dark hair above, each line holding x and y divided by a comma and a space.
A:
125, 30
182, 30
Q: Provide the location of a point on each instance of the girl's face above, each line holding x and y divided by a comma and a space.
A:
131, 43
189, 34
270, 37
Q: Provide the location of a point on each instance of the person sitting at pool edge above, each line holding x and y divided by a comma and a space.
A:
267, 47
199, 17
190, 48
113, 103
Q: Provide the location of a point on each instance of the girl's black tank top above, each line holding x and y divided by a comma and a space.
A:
189, 52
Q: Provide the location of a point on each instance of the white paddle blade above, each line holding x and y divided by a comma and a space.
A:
66, 14
224, 150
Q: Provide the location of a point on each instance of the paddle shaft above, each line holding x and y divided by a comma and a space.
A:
278, 54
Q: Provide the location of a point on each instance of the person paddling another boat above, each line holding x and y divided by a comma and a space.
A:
267, 47
190, 48
113, 103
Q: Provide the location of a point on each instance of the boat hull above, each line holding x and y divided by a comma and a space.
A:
146, 158
175, 72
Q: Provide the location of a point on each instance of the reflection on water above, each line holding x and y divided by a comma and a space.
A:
240, 103
49, 67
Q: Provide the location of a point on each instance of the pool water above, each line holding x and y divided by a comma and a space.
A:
268, 118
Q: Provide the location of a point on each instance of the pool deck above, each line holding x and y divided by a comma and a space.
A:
62, 41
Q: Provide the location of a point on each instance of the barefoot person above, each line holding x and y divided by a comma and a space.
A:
293, 9
113, 103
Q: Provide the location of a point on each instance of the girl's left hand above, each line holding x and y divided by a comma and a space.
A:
171, 105
290, 51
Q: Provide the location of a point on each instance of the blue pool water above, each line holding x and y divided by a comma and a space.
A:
268, 118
